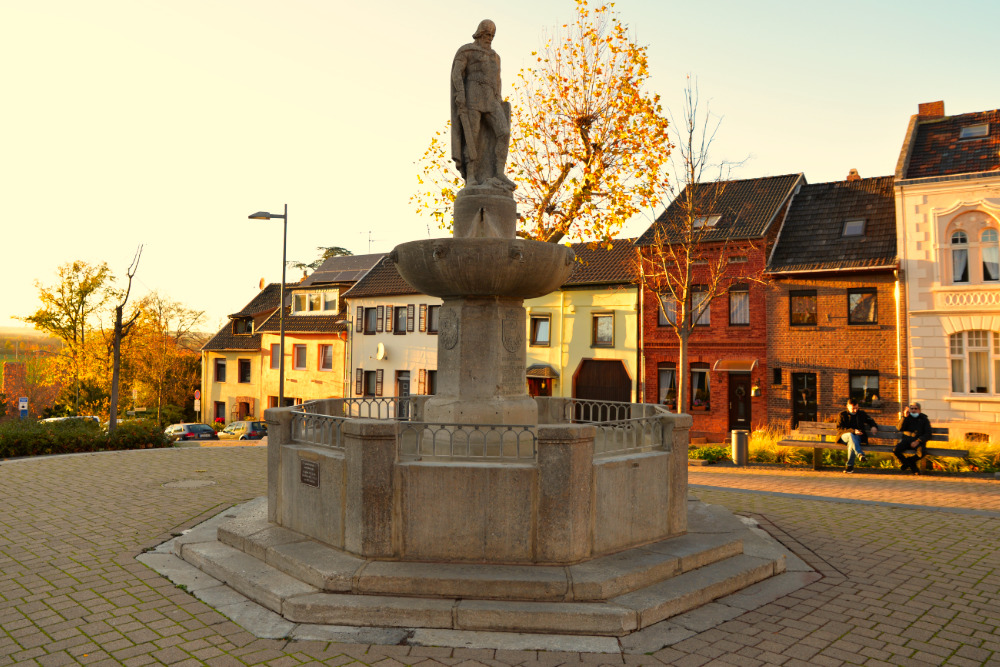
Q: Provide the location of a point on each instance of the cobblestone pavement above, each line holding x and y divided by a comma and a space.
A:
905, 583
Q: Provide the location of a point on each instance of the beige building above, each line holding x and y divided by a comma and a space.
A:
394, 337
947, 191
583, 340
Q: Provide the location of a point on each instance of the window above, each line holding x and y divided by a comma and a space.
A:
243, 370
738, 259
698, 296
862, 306
864, 386
399, 320
299, 303
326, 357
975, 363
700, 392
853, 228
603, 330
220, 410
371, 382
243, 325
432, 381
991, 255
802, 308
959, 258
707, 221
776, 376
540, 330
220, 370
739, 305
299, 357
666, 388
433, 319
371, 321
275, 356
975, 131
325, 302
272, 401
667, 312
331, 302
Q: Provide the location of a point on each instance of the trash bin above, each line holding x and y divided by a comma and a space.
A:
739, 448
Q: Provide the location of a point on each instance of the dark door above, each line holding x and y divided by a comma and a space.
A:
539, 386
739, 401
803, 398
403, 392
601, 380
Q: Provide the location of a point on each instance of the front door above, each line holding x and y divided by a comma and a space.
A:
739, 401
403, 392
803, 398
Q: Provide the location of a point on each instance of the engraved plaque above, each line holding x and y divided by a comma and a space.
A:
309, 472
448, 329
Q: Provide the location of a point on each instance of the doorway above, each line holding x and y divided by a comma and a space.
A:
803, 398
739, 401
403, 392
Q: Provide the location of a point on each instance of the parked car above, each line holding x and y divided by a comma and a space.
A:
87, 419
248, 430
190, 432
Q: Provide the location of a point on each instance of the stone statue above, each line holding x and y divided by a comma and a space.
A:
480, 119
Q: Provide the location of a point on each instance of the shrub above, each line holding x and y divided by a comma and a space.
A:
711, 454
32, 438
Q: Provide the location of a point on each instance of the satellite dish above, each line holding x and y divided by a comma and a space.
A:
262, 283
380, 352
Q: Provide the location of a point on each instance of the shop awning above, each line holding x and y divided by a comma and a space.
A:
542, 371
735, 365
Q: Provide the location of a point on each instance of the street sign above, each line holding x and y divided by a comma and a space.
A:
197, 395
22, 407
197, 405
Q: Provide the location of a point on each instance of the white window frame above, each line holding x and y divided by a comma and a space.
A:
977, 131
296, 366
706, 221
327, 349
983, 347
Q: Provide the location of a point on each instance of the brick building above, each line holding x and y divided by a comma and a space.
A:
833, 307
727, 350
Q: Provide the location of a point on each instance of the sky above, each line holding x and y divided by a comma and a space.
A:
166, 124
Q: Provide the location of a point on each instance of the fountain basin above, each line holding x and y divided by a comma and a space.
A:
470, 267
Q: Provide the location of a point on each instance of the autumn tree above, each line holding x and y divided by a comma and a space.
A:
122, 328
67, 311
684, 257
589, 144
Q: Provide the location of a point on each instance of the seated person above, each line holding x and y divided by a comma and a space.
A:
853, 427
916, 430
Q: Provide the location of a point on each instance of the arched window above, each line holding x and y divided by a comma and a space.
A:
991, 255
959, 257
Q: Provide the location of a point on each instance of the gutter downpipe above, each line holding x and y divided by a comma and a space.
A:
640, 361
900, 315
559, 361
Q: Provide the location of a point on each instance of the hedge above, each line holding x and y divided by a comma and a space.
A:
33, 438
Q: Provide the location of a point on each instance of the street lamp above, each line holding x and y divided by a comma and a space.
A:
262, 215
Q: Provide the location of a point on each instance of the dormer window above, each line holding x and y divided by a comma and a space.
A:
975, 131
243, 326
853, 228
316, 303
707, 221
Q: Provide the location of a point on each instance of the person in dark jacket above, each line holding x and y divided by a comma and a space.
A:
853, 427
916, 430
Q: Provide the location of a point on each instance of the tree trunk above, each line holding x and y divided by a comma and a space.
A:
682, 371
116, 365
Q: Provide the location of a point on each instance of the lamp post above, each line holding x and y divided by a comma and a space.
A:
262, 215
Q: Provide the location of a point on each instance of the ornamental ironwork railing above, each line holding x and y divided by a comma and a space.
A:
485, 442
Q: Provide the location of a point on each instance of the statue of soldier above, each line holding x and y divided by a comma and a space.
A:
480, 119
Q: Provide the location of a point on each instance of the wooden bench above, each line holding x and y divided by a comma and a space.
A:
828, 439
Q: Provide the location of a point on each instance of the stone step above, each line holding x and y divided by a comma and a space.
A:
334, 571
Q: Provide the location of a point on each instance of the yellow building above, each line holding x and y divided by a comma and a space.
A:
583, 340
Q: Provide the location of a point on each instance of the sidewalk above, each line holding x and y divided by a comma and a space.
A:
911, 569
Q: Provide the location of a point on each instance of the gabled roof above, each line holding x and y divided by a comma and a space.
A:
382, 280
747, 208
600, 266
346, 269
811, 237
266, 300
933, 147
227, 340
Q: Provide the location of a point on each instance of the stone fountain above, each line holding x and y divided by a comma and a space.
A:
480, 508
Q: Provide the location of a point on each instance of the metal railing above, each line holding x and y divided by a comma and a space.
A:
586, 411
629, 436
319, 430
486, 442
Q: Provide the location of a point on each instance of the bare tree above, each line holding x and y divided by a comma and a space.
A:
122, 329
684, 256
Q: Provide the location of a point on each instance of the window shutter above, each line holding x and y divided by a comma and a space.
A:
378, 382
379, 315
359, 381
423, 317
359, 322
422, 381
409, 317
388, 318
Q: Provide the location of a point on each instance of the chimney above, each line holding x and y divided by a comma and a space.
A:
853, 175
931, 109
